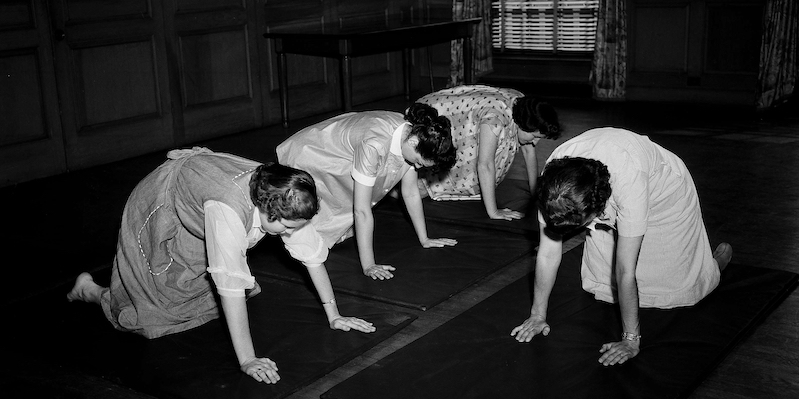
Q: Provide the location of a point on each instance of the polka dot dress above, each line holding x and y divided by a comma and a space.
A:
468, 107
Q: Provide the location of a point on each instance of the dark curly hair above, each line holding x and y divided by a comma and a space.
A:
434, 133
569, 190
282, 192
531, 114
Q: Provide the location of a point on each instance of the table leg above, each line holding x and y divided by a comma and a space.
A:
284, 91
467, 60
406, 72
429, 67
346, 82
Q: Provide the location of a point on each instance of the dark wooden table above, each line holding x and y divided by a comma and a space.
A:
367, 40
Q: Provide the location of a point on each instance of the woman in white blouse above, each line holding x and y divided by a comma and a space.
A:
646, 243
356, 159
197, 214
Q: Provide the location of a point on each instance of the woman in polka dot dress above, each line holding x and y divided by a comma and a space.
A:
489, 126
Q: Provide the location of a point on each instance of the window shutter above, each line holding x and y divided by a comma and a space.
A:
544, 25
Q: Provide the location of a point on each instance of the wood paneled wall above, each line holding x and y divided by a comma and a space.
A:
86, 82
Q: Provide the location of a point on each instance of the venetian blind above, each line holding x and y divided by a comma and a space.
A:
548, 25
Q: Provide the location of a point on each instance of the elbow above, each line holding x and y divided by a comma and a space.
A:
485, 169
624, 276
362, 215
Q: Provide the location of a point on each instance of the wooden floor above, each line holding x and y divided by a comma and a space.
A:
746, 170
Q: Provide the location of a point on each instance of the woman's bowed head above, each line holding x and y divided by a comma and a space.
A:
285, 196
572, 192
429, 141
536, 116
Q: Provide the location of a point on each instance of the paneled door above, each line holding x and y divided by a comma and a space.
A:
215, 48
31, 144
113, 79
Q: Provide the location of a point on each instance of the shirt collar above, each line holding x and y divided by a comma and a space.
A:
396, 139
256, 219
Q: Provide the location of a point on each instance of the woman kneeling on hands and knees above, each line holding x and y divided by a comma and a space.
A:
357, 158
646, 243
196, 215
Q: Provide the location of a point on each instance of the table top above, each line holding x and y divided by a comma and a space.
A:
377, 26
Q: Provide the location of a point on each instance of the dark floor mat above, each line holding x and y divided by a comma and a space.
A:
424, 277
474, 356
288, 325
511, 193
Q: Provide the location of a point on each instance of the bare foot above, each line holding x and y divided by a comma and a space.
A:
722, 255
85, 289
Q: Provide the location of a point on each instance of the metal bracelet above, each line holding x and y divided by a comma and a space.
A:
630, 336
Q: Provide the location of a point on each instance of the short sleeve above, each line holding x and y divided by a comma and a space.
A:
306, 245
494, 121
366, 162
226, 244
630, 189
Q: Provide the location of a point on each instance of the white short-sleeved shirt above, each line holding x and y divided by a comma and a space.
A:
363, 147
653, 195
227, 243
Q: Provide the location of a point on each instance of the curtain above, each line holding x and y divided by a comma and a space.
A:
609, 66
481, 41
778, 67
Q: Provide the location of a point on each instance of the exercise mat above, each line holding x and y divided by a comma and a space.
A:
511, 193
287, 322
423, 277
474, 356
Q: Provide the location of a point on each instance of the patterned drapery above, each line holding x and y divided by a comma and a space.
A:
778, 63
609, 66
481, 41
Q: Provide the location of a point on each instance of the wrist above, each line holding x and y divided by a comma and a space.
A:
538, 315
246, 359
630, 336
366, 265
331, 301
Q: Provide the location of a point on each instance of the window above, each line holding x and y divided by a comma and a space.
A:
555, 26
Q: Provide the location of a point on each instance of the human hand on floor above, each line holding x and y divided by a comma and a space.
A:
619, 352
345, 323
506, 214
438, 242
534, 325
261, 369
382, 272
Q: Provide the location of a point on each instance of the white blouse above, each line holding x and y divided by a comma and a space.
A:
227, 242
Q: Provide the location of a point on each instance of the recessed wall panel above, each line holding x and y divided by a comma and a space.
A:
15, 15
21, 105
215, 66
660, 39
117, 82
99, 10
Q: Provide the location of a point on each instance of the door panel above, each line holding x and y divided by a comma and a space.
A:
112, 79
31, 143
216, 55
